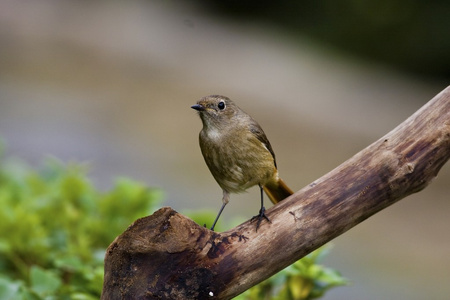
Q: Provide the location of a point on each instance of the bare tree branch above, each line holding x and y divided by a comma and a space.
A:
168, 256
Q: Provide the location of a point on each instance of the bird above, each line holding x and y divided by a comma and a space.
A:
238, 153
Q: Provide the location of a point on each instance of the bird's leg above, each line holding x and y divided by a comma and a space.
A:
225, 200
262, 214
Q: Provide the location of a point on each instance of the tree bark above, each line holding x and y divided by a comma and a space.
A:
168, 256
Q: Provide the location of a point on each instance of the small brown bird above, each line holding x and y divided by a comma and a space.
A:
237, 152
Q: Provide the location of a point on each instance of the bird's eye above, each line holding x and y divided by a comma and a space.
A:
221, 105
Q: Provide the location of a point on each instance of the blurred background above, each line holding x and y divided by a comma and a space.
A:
110, 84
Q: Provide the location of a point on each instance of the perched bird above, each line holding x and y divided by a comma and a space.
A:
237, 152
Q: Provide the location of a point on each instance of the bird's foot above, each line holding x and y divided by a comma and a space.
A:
260, 217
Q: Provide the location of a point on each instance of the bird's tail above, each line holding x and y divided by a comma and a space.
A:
277, 191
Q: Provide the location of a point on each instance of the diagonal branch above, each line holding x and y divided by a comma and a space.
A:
168, 256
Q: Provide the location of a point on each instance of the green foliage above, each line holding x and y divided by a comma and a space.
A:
55, 227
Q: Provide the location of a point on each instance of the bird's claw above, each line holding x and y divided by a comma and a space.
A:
260, 217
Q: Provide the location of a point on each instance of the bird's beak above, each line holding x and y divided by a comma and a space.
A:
198, 107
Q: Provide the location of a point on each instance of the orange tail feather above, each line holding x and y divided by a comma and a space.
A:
277, 191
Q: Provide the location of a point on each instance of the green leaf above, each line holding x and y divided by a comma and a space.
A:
44, 282
69, 263
9, 289
82, 296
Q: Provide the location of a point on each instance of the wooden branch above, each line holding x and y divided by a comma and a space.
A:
168, 256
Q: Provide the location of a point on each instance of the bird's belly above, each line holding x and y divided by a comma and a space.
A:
238, 168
